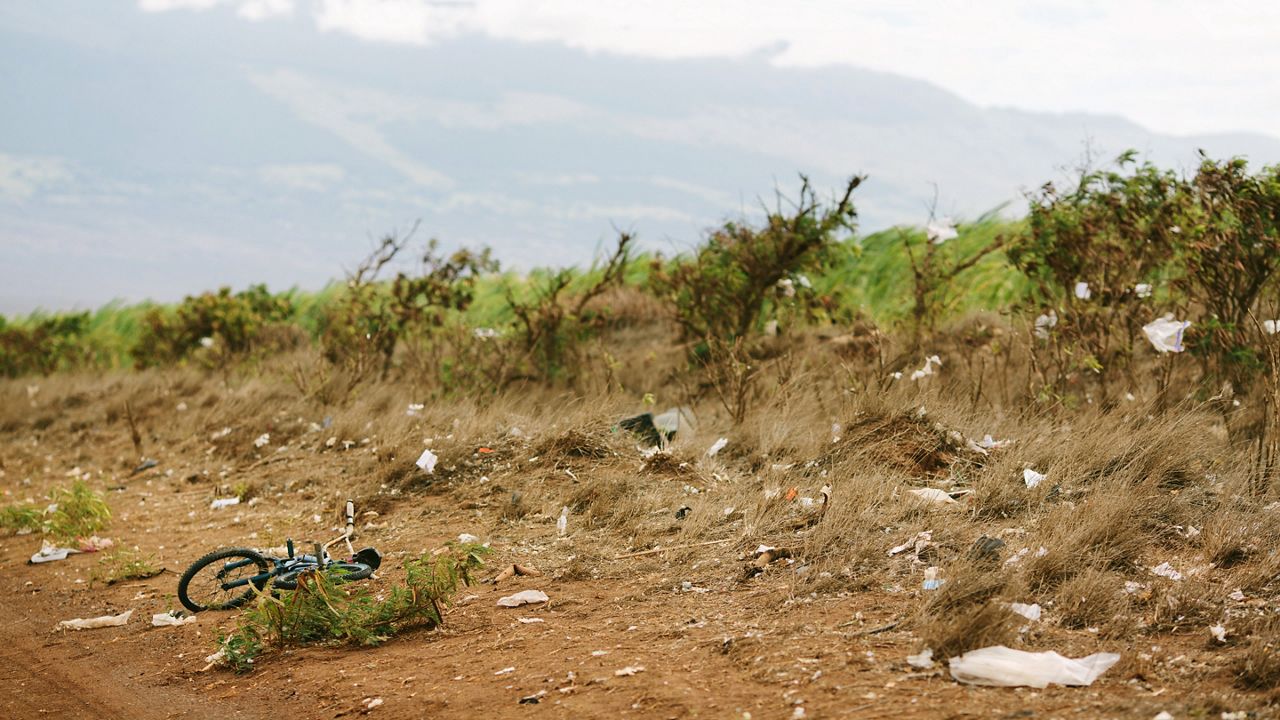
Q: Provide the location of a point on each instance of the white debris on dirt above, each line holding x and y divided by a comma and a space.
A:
169, 619
51, 553
717, 446
921, 541
1000, 666
929, 363
1219, 633
1031, 477
524, 597
933, 496
505, 671
530, 621
427, 461
1166, 570
220, 503
1030, 612
465, 538
95, 623
931, 579
628, 671
262, 440
923, 660
562, 523
371, 703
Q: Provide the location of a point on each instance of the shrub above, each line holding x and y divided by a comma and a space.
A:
221, 326
73, 512
322, 610
1086, 250
44, 344
722, 289
124, 564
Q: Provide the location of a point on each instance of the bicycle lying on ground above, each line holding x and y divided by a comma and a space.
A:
228, 578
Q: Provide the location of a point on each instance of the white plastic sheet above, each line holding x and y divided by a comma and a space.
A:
941, 230
1000, 666
427, 461
169, 619
95, 623
524, 597
933, 495
1165, 334
1032, 478
717, 446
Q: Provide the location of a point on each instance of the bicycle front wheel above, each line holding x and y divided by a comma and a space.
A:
223, 579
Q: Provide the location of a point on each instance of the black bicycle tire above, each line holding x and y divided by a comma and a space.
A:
355, 571
185, 581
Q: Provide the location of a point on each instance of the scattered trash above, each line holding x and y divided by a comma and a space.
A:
485, 333
1032, 478
427, 461
1082, 291
262, 440
987, 549
515, 570
1165, 334
220, 503
1164, 569
218, 658
766, 554
530, 621
1163, 715
628, 671
505, 671
51, 553
93, 543
206, 342
1237, 595
95, 623
927, 370
717, 446
683, 512
371, 703
524, 597
1142, 290
923, 661
657, 431
941, 230
1030, 612
146, 464
533, 699
562, 524
921, 541
167, 619
1045, 323
1270, 327
465, 538
1219, 633
673, 420
989, 443
1132, 588
933, 495
414, 409
1000, 666
931, 579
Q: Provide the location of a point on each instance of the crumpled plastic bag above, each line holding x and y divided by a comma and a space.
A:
427, 461
1000, 666
524, 597
95, 623
1165, 334
167, 619
50, 552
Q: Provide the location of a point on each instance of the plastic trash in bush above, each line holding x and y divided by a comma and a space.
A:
1000, 666
1271, 327
262, 440
929, 363
941, 230
427, 461
1030, 612
931, 579
1082, 291
717, 446
524, 597
1165, 334
95, 623
1032, 478
1142, 290
562, 523
1166, 570
1046, 322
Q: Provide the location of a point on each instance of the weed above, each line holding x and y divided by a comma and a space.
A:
322, 610
124, 564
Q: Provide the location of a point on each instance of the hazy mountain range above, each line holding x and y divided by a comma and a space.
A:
165, 154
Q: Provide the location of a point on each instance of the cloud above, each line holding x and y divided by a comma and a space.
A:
22, 177
314, 177
254, 10
1173, 65
352, 114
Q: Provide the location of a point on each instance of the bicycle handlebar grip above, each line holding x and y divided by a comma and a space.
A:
351, 514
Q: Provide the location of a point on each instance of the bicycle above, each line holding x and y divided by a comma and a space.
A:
237, 574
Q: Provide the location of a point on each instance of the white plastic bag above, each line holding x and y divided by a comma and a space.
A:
95, 623
427, 461
1000, 666
524, 597
167, 619
1165, 334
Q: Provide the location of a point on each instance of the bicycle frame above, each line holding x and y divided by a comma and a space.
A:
321, 559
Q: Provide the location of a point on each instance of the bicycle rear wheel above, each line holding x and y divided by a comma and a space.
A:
342, 572
223, 579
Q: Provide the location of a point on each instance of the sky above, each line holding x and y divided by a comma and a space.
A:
155, 148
